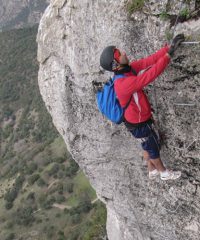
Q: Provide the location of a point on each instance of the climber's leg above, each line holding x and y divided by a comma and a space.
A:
157, 163
150, 165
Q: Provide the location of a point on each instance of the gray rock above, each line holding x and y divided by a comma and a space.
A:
70, 39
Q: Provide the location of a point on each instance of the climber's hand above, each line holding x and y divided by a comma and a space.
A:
176, 43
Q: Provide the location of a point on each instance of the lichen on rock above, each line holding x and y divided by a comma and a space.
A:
70, 39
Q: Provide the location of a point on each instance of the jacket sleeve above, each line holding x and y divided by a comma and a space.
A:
144, 63
132, 84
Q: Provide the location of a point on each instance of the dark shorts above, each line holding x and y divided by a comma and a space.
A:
149, 138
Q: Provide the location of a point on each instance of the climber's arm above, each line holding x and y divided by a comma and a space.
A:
135, 83
150, 60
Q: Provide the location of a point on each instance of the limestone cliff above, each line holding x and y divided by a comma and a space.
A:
71, 37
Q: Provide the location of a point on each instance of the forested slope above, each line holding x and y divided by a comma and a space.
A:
43, 194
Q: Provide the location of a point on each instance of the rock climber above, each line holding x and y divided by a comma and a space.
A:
138, 116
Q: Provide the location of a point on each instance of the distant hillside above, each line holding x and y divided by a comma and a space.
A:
43, 194
20, 13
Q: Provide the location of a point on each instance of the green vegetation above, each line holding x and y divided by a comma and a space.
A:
185, 13
164, 16
168, 35
135, 5
40, 182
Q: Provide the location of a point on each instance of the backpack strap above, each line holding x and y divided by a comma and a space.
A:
133, 71
117, 76
128, 103
121, 76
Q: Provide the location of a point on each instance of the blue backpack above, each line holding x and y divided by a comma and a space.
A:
108, 103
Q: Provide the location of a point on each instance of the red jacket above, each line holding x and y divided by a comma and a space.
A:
139, 109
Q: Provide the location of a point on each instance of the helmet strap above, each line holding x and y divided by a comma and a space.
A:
123, 68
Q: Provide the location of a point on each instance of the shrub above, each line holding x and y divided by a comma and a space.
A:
76, 218
46, 161
49, 202
24, 216
185, 13
31, 196
32, 179
41, 199
57, 187
9, 225
66, 211
60, 159
135, 5
11, 195
61, 233
41, 182
164, 16
7, 112
54, 169
31, 168
60, 198
85, 206
61, 174
8, 205
38, 220
50, 231
72, 169
11, 236
7, 131
96, 225
19, 182
74, 235
69, 187
13, 171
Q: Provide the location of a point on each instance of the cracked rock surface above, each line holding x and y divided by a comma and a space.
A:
70, 39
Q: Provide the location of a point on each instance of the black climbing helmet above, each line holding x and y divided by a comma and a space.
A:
107, 57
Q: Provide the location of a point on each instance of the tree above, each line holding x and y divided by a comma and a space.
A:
31, 196
75, 219
31, 168
24, 216
41, 182
19, 182
72, 169
11, 195
33, 178
42, 198
69, 187
85, 203
49, 202
54, 169
8, 205
60, 198
9, 225
11, 236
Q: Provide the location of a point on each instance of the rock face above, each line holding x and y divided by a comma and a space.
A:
20, 13
71, 37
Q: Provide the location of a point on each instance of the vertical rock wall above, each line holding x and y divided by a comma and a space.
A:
71, 37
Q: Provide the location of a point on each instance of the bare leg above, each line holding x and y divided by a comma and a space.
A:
150, 165
158, 164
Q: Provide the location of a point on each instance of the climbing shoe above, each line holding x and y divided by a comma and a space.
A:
153, 174
170, 175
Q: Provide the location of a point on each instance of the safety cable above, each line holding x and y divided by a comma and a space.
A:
157, 124
176, 22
